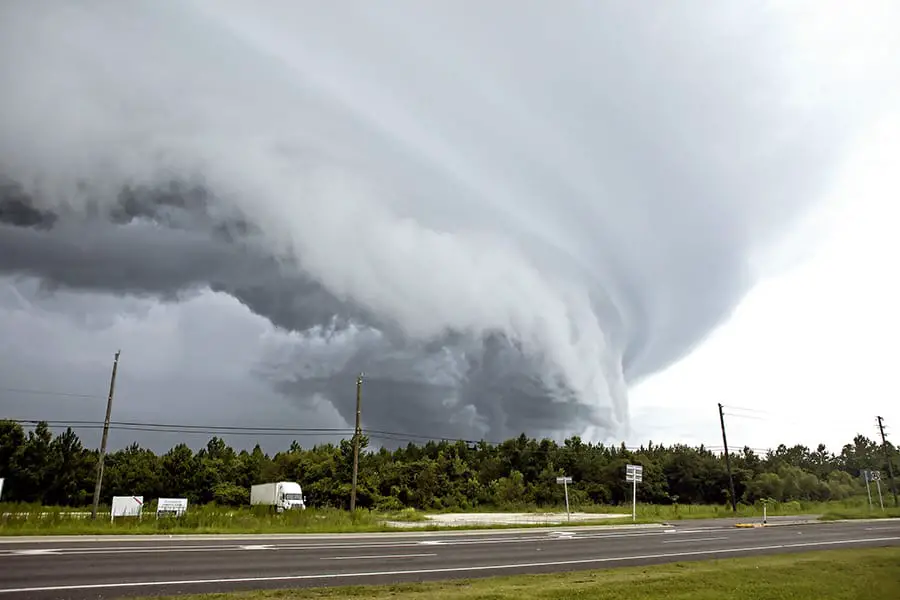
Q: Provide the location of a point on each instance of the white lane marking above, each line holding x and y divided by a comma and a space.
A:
257, 547
410, 544
690, 540
371, 556
500, 567
399, 535
432, 542
36, 551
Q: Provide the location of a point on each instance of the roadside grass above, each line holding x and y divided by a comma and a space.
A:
19, 520
860, 512
873, 574
27, 519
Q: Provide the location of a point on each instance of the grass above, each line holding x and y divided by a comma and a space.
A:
37, 520
871, 574
861, 512
198, 519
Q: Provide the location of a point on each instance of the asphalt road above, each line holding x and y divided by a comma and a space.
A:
104, 567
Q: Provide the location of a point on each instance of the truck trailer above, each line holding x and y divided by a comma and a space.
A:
282, 495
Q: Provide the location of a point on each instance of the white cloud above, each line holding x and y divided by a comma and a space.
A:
816, 348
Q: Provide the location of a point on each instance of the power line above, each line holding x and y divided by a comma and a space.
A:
50, 393
171, 428
264, 431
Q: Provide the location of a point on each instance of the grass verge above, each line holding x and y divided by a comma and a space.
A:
860, 513
873, 574
37, 520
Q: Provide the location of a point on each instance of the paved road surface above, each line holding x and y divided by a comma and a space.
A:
160, 565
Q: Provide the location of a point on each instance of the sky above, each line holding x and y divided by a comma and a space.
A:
578, 221
809, 354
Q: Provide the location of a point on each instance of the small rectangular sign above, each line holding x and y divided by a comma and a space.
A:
563, 480
127, 506
171, 506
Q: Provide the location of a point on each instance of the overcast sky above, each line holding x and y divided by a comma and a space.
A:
580, 219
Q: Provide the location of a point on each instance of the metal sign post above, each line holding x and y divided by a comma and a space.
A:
866, 474
565, 481
634, 474
876, 477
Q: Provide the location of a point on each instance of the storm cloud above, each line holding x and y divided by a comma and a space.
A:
504, 215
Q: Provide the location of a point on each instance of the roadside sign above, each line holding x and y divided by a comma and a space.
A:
126, 506
634, 473
565, 481
175, 507
1, 487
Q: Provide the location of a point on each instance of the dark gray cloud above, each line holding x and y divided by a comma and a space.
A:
504, 217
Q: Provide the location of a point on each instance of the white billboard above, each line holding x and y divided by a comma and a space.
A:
126, 506
171, 507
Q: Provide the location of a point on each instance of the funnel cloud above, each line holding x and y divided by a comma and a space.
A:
504, 214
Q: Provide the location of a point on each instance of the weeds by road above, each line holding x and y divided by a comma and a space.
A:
37, 520
829, 575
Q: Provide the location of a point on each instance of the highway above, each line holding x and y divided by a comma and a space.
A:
121, 566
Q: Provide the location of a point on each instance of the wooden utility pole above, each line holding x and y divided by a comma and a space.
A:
890, 460
109, 401
356, 436
727, 459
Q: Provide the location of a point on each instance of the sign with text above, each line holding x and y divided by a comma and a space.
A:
870, 475
634, 473
171, 507
126, 506
562, 480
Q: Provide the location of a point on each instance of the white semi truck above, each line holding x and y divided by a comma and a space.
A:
281, 495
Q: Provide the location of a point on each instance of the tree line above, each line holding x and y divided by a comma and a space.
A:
57, 470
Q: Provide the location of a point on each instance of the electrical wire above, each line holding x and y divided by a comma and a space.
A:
263, 431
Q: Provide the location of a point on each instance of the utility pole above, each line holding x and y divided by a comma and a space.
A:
890, 460
109, 401
727, 459
356, 435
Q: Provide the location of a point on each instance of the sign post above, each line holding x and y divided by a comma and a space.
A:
634, 474
876, 477
565, 481
866, 475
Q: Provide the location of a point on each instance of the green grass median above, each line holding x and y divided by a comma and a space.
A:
871, 574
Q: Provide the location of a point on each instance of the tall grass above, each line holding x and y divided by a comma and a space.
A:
29, 519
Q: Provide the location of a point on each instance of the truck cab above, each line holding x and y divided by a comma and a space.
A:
290, 496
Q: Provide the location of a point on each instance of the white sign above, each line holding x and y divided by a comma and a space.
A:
565, 481
634, 473
171, 506
1, 487
126, 506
